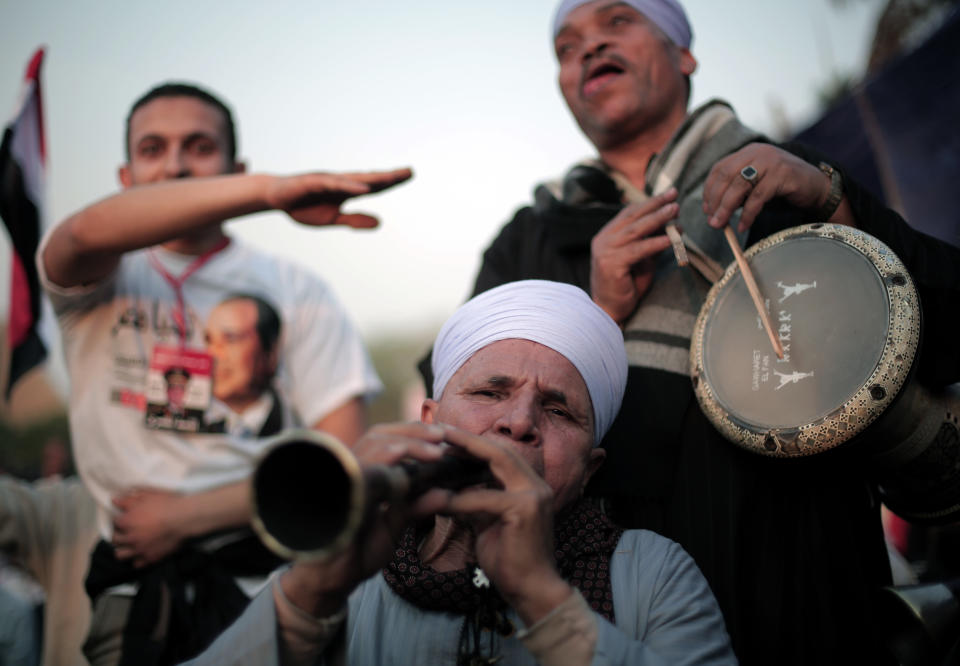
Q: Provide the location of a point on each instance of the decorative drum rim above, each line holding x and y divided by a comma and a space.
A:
877, 392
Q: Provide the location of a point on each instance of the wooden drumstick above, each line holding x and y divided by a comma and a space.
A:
753, 289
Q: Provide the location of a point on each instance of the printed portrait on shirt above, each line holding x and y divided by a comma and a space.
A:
242, 335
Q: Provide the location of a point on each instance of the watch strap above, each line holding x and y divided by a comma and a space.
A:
829, 207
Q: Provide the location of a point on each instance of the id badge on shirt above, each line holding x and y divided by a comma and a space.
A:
178, 389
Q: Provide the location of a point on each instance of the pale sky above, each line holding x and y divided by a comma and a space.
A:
465, 93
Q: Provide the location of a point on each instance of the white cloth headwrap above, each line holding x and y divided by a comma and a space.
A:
559, 316
667, 15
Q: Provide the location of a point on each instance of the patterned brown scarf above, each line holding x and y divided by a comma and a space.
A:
584, 540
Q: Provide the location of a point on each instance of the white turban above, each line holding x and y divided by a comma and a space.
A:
555, 315
667, 15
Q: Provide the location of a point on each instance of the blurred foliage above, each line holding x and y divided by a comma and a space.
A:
901, 26
22, 448
836, 89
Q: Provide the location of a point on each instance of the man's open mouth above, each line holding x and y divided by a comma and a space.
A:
599, 75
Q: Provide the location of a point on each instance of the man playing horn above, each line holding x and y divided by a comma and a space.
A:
529, 377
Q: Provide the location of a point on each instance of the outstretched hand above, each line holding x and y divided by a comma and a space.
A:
779, 174
314, 199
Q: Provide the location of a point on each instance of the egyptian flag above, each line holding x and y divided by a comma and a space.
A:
22, 158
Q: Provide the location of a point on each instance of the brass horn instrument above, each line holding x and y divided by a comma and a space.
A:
311, 496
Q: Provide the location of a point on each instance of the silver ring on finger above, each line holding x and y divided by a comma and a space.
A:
749, 173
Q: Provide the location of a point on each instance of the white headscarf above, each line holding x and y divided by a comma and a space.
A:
555, 315
667, 15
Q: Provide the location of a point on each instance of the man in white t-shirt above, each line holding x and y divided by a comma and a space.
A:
132, 279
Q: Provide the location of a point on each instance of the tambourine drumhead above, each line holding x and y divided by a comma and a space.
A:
848, 317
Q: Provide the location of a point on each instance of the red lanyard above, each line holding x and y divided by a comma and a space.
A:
176, 282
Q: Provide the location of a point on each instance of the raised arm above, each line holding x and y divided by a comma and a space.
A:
87, 245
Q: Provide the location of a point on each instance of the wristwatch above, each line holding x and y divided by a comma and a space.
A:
829, 206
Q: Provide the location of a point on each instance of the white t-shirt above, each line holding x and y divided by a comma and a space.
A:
109, 331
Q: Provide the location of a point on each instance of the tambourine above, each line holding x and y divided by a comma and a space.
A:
848, 316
